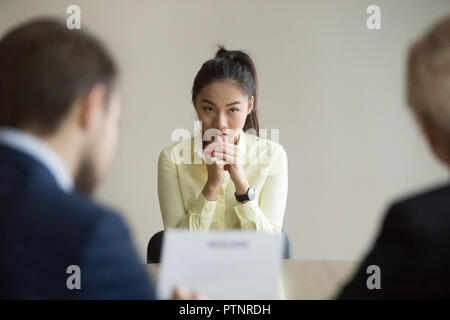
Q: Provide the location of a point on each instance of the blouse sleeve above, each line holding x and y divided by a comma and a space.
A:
174, 214
266, 212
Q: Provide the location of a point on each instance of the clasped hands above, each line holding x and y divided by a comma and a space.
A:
221, 156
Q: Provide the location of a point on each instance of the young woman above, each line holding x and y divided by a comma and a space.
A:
230, 178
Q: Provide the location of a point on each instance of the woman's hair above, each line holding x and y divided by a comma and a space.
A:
235, 66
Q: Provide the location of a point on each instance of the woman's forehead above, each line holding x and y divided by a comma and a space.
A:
222, 92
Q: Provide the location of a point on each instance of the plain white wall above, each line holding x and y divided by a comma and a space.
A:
333, 88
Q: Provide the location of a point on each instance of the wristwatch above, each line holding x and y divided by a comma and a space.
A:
248, 196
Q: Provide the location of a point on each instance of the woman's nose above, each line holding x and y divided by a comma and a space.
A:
220, 123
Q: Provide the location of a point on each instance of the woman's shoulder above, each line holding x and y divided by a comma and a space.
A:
267, 153
178, 148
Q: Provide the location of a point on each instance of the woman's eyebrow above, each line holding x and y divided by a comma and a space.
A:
228, 105
207, 101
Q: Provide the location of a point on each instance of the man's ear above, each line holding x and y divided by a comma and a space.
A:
92, 107
435, 141
250, 105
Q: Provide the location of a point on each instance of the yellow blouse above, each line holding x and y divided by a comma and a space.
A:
182, 175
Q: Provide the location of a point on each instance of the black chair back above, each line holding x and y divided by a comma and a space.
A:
155, 245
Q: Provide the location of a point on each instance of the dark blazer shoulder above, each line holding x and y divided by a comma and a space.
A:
426, 213
410, 250
44, 230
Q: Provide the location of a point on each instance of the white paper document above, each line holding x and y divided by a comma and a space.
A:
221, 264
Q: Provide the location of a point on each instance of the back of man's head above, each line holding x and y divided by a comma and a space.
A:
44, 68
58, 85
428, 88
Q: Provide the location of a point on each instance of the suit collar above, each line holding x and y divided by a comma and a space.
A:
38, 151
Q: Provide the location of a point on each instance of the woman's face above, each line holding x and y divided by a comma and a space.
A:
222, 105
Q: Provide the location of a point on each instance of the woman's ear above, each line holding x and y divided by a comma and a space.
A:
250, 105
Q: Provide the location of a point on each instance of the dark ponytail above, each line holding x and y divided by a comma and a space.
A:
231, 65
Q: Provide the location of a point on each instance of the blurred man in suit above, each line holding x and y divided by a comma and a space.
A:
412, 248
59, 126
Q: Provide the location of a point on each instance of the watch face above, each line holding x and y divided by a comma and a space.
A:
251, 194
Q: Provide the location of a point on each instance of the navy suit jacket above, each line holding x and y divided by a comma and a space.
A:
412, 251
44, 230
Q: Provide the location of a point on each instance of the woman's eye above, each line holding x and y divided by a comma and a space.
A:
234, 110
208, 109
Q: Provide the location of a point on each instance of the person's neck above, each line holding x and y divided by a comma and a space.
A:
65, 145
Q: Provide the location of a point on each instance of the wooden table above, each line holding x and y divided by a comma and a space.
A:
305, 279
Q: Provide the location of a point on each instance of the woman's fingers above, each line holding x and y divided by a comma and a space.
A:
233, 151
224, 151
209, 154
225, 157
218, 160
227, 148
212, 158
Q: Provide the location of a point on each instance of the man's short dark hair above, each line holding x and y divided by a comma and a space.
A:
44, 68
